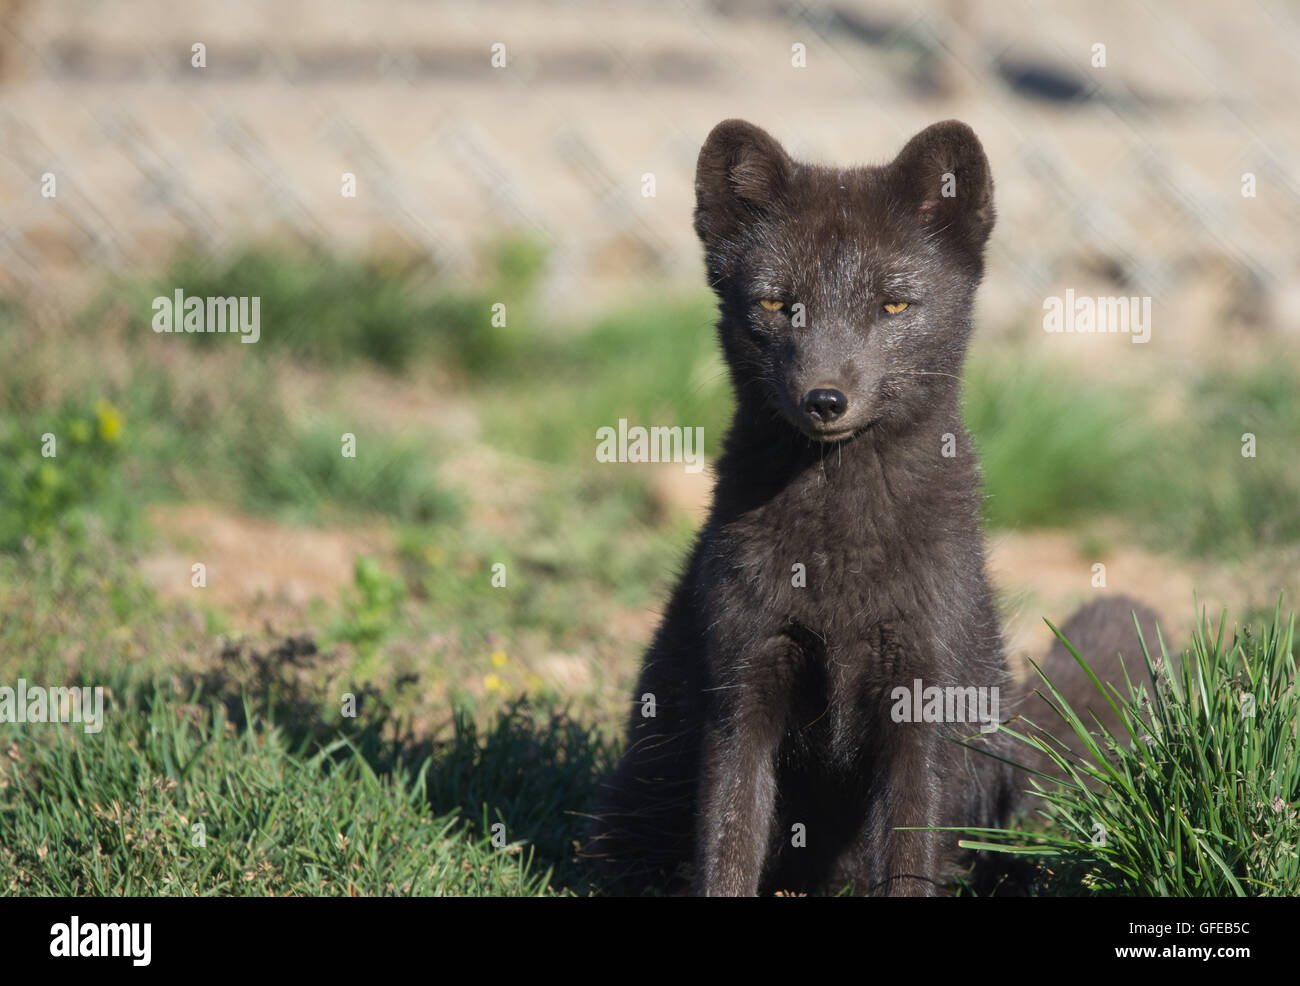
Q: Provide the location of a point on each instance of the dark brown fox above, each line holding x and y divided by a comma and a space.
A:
840, 577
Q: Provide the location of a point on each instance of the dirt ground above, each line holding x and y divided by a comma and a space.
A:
262, 573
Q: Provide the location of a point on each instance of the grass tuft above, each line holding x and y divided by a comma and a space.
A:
1199, 795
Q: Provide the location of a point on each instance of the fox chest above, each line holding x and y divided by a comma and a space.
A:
843, 576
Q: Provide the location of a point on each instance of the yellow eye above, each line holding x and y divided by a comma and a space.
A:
772, 306
894, 307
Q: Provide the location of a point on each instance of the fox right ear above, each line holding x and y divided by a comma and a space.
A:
741, 173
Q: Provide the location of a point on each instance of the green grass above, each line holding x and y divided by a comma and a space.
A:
1058, 452
392, 476
1231, 504
330, 309
564, 577
1199, 795
219, 433
59, 467
172, 798
1055, 452
653, 363
294, 795
1196, 799
243, 734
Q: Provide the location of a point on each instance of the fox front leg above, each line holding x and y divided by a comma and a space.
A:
738, 773
738, 799
909, 860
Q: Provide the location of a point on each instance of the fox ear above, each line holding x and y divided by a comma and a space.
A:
943, 174
741, 173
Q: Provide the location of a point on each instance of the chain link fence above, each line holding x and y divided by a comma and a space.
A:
1151, 147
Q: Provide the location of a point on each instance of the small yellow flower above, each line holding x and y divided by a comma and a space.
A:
492, 682
110, 421
498, 659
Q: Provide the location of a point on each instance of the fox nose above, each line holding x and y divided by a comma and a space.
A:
824, 404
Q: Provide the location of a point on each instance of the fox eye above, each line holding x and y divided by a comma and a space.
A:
895, 307
770, 305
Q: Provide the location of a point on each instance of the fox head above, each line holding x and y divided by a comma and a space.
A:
845, 294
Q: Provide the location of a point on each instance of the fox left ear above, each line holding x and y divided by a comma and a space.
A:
944, 175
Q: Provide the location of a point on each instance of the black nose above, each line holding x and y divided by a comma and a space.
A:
824, 404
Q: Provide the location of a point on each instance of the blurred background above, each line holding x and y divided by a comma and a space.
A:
540, 156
